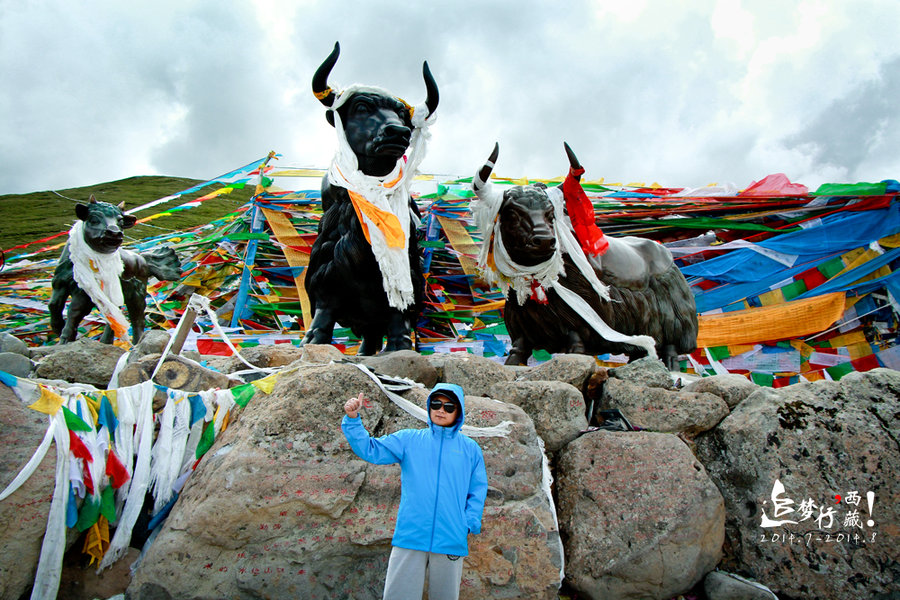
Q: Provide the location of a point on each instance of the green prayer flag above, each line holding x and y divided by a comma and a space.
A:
108, 504
243, 393
206, 440
838, 371
89, 513
851, 189
719, 352
541, 355
763, 379
74, 422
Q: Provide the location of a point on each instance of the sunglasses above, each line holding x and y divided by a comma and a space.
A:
449, 407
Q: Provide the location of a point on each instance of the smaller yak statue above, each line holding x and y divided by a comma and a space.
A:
570, 288
94, 270
365, 268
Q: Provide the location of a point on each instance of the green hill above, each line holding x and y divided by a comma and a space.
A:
25, 218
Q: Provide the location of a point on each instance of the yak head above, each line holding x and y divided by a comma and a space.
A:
378, 126
104, 225
526, 215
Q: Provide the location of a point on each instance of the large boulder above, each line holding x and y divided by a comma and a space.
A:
640, 517
475, 374
667, 411
23, 516
407, 364
82, 361
10, 343
827, 445
16, 364
280, 507
574, 369
556, 408
731, 388
647, 372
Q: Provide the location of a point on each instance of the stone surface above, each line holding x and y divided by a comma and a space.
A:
663, 410
152, 342
321, 354
16, 364
646, 371
718, 585
475, 374
10, 343
731, 388
556, 408
574, 369
640, 517
407, 364
820, 441
82, 361
23, 516
280, 507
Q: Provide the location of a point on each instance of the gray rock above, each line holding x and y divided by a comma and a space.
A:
280, 507
23, 516
639, 514
153, 341
475, 374
320, 354
82, 361
574, 369
719, 585
556, 408
16, 364
10, 343
731, 388
662, 410
819, 440
648, 372
407, 364
176, 372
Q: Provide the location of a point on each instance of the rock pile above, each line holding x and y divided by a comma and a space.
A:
280, 506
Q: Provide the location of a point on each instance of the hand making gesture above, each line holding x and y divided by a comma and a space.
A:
352, 406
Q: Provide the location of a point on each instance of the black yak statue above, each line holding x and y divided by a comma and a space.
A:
571, 289
93, 270
365, 267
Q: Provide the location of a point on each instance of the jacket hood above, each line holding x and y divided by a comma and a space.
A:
454, 391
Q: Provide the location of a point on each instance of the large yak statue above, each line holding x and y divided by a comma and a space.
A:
365, 267
94, 270
571, 289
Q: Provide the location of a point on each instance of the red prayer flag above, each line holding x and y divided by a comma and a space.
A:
117, 472
78, 449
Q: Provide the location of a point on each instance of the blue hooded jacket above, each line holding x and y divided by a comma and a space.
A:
443, 482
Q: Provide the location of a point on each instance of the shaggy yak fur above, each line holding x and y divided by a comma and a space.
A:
649, 295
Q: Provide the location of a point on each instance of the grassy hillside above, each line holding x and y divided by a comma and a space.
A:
28, 217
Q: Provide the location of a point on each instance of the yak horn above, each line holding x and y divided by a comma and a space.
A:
485, 172
320, 78
573, 161
432, 96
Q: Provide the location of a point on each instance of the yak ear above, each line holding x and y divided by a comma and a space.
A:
81, 211
128, 221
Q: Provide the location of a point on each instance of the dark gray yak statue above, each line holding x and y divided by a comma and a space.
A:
648, 295
102, 232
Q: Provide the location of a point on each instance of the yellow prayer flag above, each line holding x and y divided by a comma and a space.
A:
48, 403
266, 384
96, 543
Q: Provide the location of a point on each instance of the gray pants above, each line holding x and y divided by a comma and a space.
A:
406, 575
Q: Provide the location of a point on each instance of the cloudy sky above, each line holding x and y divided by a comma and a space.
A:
683, 93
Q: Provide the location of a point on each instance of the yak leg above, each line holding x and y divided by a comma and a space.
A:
57, 304
397, 332
520, 351
372, 341
321, 330
669, 356
576, 343
135, 292
79, 308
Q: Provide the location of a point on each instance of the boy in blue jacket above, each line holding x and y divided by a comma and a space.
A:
443, 485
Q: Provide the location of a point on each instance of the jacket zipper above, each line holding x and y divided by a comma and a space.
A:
437, 491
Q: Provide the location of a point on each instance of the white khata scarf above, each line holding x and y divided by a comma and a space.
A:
98, 275
534, 281
382, 203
